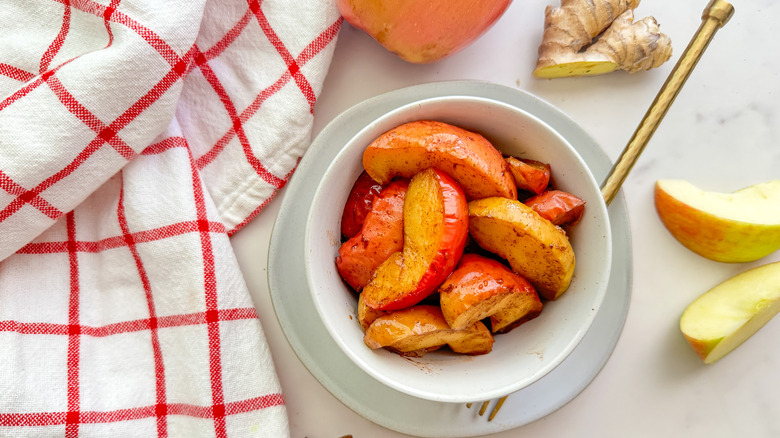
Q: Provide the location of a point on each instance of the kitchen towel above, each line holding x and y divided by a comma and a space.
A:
135, 137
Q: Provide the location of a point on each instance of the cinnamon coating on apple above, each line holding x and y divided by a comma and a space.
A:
419, 288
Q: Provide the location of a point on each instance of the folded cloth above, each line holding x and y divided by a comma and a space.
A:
135, 137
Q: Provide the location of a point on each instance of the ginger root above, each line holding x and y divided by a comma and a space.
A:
568, 47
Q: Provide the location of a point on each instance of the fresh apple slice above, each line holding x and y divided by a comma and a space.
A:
358, 204
530, 175
727, 315
419, 329
557, 206
423, 31
382, 235
535, 248
481, 287
727, 227
466, 156
435, 230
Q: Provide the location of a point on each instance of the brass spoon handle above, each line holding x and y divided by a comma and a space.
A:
717, 13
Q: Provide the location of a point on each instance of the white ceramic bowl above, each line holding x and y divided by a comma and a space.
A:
519, 357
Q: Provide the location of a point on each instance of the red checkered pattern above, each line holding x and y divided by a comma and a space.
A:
135, 137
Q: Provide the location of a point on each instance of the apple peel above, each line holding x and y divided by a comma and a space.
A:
481, 287
466, 156
381, 236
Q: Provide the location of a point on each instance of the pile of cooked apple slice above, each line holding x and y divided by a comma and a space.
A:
442, 235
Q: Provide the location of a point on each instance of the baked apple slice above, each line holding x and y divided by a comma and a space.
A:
358, 204
530, 175
435, 231
420, 329
481, 287
382, 235
535, 248
367, 315
470, 158
557, 206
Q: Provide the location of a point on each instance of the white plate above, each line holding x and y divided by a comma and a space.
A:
362, 393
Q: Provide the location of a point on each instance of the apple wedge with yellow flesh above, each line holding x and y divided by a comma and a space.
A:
727, 315
435, 230
480, 288
535, 248
733, 227
477, 166
420, 329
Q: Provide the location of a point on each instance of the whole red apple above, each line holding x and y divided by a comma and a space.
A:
423, 31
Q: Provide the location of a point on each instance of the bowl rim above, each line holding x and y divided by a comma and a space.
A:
603, 278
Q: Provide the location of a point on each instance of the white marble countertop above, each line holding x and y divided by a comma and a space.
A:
722, 133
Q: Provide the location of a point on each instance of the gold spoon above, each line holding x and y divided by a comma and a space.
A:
715, 15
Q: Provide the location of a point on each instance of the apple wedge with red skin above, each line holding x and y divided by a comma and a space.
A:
435, 231
417, 330
557, 206
534, 248
530, 175
737, 227
481, 287
721, 319
468, 157
382, 235
358, 205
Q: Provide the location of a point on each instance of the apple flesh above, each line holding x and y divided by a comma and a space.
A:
358, 205
435, 230
559, 207
481, 287
422, 31
733, 227
417, 330
530, 175
727, 315
535, 248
